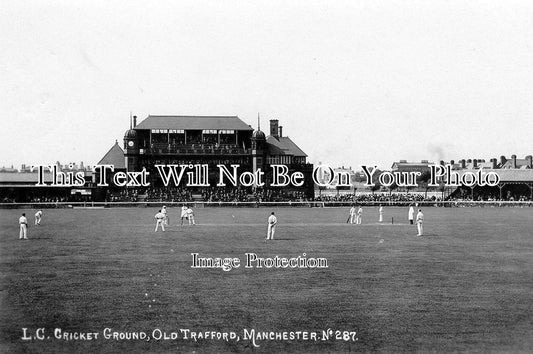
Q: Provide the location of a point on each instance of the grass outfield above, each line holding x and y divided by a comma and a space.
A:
466, 286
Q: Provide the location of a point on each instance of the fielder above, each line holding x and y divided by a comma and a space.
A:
164, 211
183, 213
190, 216
359, 217
352, 215
38, 216
272, 221
23, 227
160, 220
411, 214
420, 222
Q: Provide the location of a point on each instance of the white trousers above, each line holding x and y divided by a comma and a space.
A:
38, 220
420, 227
22, 233
160, 222
270, 232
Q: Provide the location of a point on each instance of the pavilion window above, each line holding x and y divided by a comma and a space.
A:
228, 137
159, 136
210, 136
176, 137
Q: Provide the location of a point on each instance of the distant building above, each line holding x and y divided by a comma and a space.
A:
516, 177
8, 169
20, 185
502, 163
404, 166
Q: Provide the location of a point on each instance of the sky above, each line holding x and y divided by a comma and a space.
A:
352, 82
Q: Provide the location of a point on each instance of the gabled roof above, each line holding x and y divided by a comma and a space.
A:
283, 146
519, 163
193, 123
24, 177
403, 164
484, 165
507, 175
115, 156
8, 169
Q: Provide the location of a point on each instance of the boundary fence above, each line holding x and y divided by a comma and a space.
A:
301, 204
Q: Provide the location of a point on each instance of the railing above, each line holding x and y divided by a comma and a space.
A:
193, 150
255, 204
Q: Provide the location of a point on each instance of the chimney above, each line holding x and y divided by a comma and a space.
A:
469, 161
503, 160
134, 121
463, 163
529, 160
452, 162
274, 128
474, 163
280, 131
513, 159
494, 163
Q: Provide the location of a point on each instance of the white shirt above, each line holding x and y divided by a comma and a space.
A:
190, 212
380, 210
159, 216
352, 210
23, 220
183, 211
164, 211
38, 214
360, 211
411, 213
419, 217
272, 220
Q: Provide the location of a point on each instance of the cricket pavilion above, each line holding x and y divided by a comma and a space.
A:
213, 141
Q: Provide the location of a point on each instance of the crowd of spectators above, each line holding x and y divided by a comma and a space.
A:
482, 198
218, 194
278, 195
167, 194
122, 195
259, 195
198, 147
34, 199
170, 194
394, 197
34, 196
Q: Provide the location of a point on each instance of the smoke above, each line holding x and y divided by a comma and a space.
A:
436, 152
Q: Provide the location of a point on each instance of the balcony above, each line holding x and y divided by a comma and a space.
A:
194, 149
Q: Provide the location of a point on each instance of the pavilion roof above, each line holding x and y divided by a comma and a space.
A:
193, 123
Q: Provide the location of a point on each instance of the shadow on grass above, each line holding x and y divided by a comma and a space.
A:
429, 235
